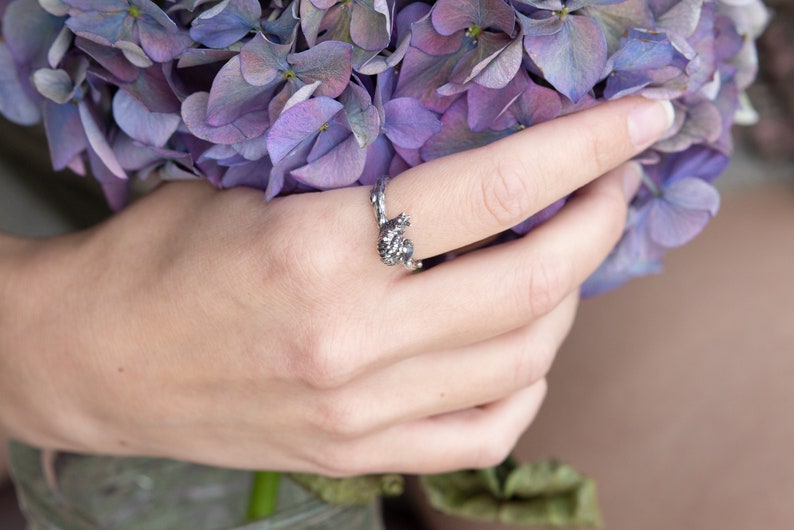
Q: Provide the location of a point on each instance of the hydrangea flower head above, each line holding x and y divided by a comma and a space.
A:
294, 96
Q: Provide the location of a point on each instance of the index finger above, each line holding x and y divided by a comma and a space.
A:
463, 198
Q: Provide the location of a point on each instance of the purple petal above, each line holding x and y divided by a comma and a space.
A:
328, 62
671, 225
620, 84
339, 167
253, 149
455, 135
409, 15
543, 23
311, 18
450, 16
408, 123
421, 74
323, 4
703, 124
573, 59
369, 29
162, 45
152, 90
226, 23
645, 50
28, 31
502, 68
284, 28
379, 156
116, 189
55, 85
232, 97
487, 104
693, 194
201, 56
479, 56
149, 128
98, 141
65, 135
111, 59
133, 53
194, 111
614, 19
327, 139
548, 5
263, 62
298, 123
425, 37
381, 63
362, 116
100, 27
133, 156
14, 101
537, 104
251, 175
681, 18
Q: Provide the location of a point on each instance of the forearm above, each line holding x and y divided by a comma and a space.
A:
22, 286
12, 252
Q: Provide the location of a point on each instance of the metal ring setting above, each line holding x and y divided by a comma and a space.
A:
393, 247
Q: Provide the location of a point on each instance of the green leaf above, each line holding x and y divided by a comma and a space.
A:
545, 493
350, 491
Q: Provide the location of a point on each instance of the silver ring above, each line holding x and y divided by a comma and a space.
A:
392, 245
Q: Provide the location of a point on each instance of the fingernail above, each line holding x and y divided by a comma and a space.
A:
649, 121
632, 177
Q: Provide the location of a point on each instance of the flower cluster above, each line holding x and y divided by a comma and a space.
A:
289, 96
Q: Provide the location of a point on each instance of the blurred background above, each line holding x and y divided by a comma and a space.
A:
673, 392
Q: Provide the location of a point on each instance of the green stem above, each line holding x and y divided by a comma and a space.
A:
264, 495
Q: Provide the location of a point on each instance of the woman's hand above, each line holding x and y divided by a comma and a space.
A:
213, 327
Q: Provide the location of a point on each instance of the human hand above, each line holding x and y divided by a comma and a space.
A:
212, 327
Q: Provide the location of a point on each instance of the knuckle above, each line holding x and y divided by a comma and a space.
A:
322, 365
506, 197
531, 364
615, 212
546, 285
341, 418
338, 460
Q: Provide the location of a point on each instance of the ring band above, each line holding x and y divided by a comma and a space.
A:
393, 247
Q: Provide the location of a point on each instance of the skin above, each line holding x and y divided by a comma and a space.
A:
212, 327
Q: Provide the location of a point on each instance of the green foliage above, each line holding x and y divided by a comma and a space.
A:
545, 493
350, 491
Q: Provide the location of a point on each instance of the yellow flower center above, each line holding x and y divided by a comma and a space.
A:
473, 32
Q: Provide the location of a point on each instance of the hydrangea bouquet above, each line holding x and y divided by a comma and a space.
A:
295, 95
